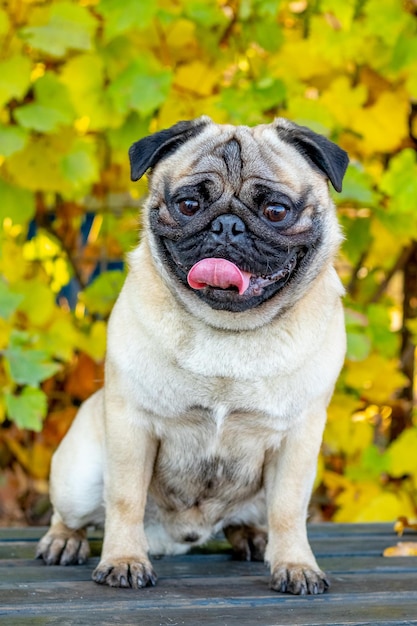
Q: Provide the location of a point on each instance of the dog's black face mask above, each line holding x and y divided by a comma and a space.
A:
235, 240
249, 232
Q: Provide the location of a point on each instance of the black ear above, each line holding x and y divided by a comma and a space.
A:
321, 152
146, 152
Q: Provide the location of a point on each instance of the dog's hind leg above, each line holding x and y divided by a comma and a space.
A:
248, 542
76, 488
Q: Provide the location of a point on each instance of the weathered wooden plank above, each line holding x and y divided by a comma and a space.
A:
327, 529
176, 591
12, 570
283, 611
27, 549
322, 547
211, 589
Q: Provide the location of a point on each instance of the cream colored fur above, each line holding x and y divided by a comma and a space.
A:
187, 385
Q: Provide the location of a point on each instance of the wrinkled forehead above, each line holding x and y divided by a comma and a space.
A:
239, 154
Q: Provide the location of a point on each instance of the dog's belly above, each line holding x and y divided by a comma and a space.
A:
202, 480
207, 474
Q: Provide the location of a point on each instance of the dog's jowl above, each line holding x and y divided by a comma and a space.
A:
223, 350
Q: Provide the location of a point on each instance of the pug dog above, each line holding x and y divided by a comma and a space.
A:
223, 350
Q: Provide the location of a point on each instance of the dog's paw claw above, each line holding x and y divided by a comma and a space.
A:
64, 547
298, 580
125, 573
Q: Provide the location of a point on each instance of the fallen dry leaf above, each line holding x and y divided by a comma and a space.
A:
402, 523
403, 548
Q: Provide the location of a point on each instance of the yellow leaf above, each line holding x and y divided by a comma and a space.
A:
335, 481
377, 378
343, 11
310, 112
343, 100
181, 41
196, 77
403, 548
84, 78
354, 498
411, 85
386, 245
187, 107
320, 472
59, 338
4, 333
342, 434
402, 523
384, 125
38, 165
385, 507
298, 57
12, 264
94, 344
402, 454
38, 303
36, 459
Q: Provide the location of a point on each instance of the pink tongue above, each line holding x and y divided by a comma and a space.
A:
218, 273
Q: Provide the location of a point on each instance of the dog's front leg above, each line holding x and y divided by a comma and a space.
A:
289, 477
130, 457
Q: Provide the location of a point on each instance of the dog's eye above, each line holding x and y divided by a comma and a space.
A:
275, 212
188, 207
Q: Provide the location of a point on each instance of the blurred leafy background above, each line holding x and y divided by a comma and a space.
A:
79, 82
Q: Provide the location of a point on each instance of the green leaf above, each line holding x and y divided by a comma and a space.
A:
40, 118
67, 27
12, 139
14, 78
29, 367
142, 87
133, 129
84, 77
358, 346
52, 107
412, 328
357, 187
207, 14
373, 464
59, 339
400, 181
379, 330
15, 203
9, 301
80, 166
354, 319
267, 34
357, 237
100, 296
38, 165
122, 16
28, 409
247, 104
343, 10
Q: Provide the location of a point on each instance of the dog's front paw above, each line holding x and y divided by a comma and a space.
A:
128, 572
298, 579
63, 546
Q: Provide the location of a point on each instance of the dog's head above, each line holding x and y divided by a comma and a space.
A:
240, 219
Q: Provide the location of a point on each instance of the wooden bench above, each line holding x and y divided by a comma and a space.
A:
208, 587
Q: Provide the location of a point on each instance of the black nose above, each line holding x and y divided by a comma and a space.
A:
227, 228
191, 537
